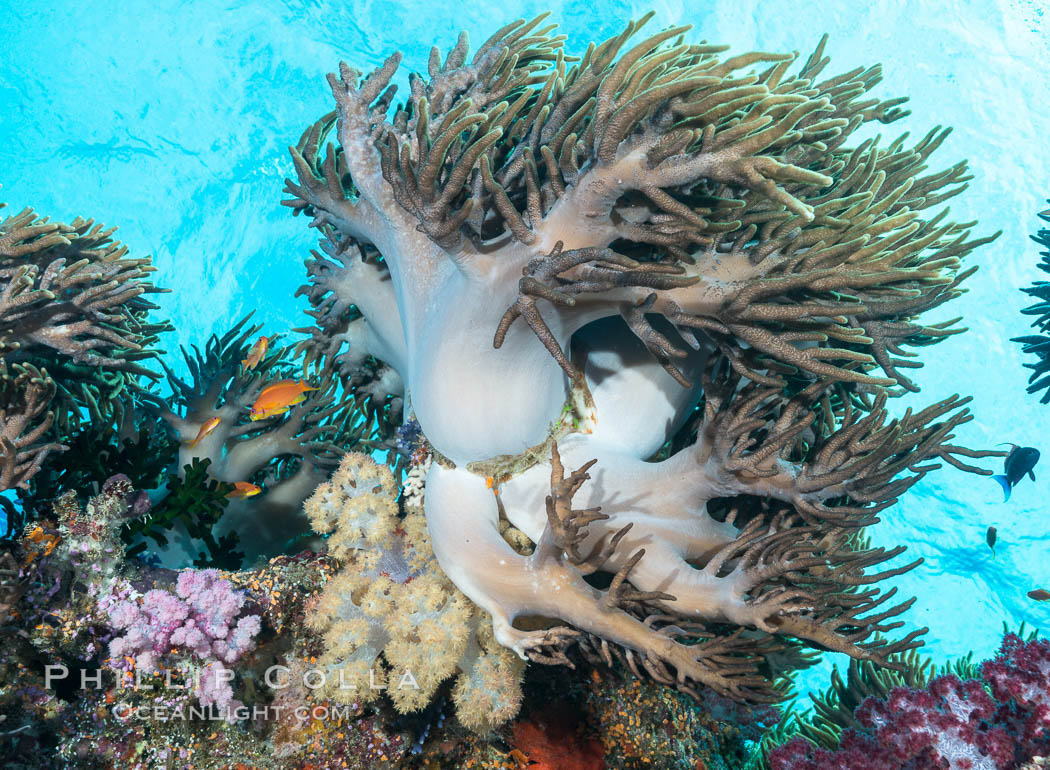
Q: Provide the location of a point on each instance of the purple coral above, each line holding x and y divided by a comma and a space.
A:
202, 618
213, 687
994, 724
1019, 678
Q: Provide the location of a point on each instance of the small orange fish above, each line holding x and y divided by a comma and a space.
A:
243, 489
279, 398
257, 353
1039, 594
206, 428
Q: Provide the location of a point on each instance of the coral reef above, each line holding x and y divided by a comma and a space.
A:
75, 611
193, 518
1000, 720
834, 709
720, 295
1039, 344
75, 333
626, 329
287, 456
145, 640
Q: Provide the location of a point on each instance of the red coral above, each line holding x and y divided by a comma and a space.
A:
951, 725
554, 743
856, 751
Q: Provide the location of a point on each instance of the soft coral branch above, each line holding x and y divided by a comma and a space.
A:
819, 447
287, 455
24, 426
65, 289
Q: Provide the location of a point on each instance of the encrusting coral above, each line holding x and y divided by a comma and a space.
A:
719, 296
390, 617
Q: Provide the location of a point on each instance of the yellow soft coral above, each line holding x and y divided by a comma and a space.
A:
390, 618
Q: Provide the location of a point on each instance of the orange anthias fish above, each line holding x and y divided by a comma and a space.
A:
206, 428
278, 398
257, 353
243, 489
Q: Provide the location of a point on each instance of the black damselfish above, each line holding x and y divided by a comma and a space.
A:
1020, 461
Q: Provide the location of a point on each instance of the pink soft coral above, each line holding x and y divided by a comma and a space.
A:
202, 620
951, 725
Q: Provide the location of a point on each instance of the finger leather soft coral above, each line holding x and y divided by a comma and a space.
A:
649, 307
74, 323
994, 723
390, 618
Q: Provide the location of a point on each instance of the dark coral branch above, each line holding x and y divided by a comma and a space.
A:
801, 580
668, 146
66, 289
25, 425
72, 302
1039, 344
592, 270
835, 461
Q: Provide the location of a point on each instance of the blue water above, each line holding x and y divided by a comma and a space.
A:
172, 120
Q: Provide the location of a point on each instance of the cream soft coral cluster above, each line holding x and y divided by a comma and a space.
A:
391, 618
